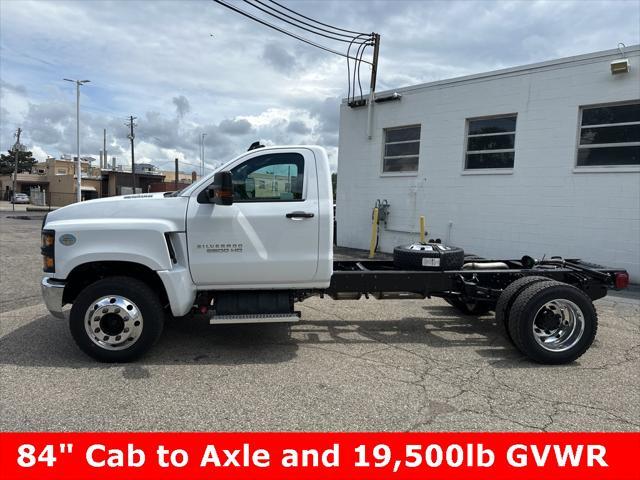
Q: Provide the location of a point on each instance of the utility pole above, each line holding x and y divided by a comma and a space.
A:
78, 165
131, 124
16, 151
176, 176
202, 135
372, 89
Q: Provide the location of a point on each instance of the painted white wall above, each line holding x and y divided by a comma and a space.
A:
543, 207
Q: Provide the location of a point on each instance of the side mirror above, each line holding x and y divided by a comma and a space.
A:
220, 191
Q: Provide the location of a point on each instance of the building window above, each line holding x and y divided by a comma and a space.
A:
401, 149
490, 142
609, 136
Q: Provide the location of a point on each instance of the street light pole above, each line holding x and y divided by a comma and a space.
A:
78, 164
16, 151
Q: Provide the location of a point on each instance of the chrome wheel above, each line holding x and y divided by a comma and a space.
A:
113, 322
558, 325
428, 247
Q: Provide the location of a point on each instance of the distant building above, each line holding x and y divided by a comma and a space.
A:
65, 166
147, 168
56, 178
169, 176
169, 184
118, 182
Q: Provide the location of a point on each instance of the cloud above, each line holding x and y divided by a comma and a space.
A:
298, 127
240, 126
327, 113
182, 106
279, 58
248, 82
8, 87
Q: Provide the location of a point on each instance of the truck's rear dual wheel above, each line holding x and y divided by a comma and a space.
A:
507, 297
116, 319
552, 322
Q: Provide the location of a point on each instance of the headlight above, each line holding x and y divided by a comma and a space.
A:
47, 249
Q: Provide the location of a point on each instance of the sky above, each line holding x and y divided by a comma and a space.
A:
189, 67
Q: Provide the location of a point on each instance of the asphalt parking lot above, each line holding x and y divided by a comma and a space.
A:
350, 365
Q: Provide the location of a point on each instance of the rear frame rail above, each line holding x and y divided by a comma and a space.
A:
381, 279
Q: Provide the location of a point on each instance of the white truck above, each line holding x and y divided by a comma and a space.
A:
245, 243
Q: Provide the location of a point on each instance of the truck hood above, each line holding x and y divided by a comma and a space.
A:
171, 211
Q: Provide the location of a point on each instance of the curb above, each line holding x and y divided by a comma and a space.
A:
35, 208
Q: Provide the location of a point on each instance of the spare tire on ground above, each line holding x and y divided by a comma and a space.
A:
428, 256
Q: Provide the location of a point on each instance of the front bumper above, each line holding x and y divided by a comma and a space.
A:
52, 291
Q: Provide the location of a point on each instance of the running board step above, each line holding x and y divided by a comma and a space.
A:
255, 318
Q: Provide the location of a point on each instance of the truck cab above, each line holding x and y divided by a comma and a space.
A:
276, 230
263, 222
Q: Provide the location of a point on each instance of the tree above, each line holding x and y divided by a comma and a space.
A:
25, 162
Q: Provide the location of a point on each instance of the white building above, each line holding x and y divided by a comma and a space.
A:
542, 159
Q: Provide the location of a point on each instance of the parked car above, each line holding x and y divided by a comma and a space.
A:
20, 198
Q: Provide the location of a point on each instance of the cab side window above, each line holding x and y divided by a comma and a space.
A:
277, 177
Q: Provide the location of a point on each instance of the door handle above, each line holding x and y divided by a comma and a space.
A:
299, 215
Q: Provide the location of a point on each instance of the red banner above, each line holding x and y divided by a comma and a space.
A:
325, 456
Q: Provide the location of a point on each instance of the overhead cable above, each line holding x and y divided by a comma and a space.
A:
286, 32
277, 14
316, 21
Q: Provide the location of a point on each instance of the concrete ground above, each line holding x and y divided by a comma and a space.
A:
351, 365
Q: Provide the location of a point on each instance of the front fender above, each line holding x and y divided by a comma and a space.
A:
138, 241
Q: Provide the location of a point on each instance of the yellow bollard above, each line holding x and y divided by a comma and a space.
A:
374, 233
422, 229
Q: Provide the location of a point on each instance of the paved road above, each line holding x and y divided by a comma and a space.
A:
352, 365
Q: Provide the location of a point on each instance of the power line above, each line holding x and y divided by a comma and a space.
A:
282, 30
349, 66
359, 64
316, 21
372, 39
197, 166
356, 68
278, 13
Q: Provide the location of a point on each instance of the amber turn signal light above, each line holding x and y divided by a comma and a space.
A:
47, 239
48, 263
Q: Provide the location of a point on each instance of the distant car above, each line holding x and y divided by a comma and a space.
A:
20, 198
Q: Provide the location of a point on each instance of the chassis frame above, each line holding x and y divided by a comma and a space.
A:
381, 279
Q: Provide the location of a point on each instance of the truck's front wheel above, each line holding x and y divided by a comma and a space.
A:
116, 319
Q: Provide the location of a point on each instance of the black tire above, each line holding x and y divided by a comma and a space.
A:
144, 300
508, 295
411, 257
469, 308
531, 302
